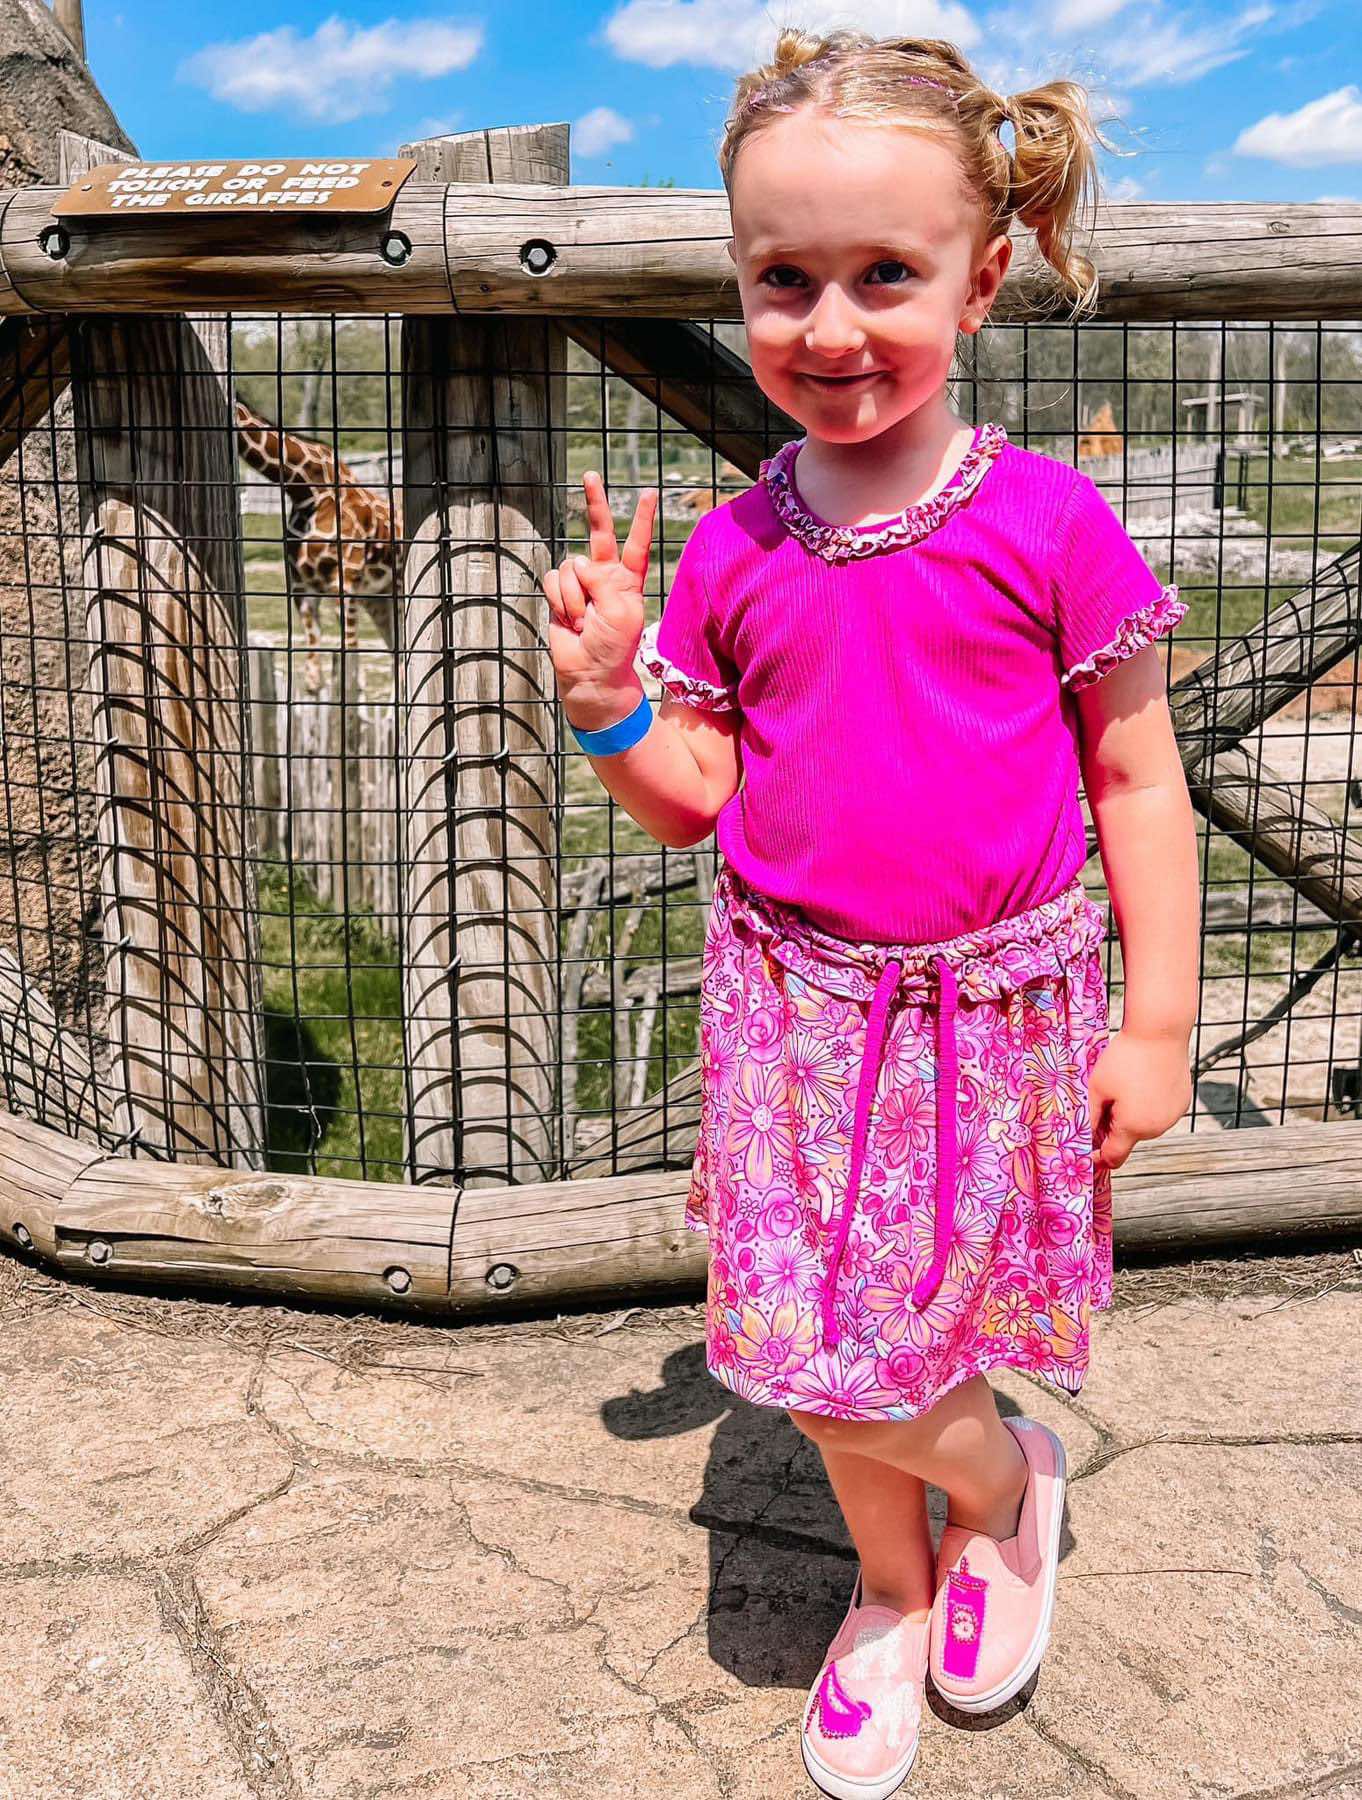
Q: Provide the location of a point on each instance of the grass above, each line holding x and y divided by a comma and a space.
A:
333, 1036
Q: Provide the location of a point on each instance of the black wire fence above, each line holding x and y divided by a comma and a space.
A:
277, 914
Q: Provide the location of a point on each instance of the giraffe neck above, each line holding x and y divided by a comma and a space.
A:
297, 464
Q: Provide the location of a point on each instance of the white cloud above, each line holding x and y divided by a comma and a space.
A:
598, 130
340, 72
1014, 44
1122, 192
1327, 130
1082, 15
740, 34
1337, 200
1177, 50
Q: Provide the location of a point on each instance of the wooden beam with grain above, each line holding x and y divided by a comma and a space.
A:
540, 247
482, 473
490, 1251
164, 598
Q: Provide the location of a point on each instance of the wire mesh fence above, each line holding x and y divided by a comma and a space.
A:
216, 838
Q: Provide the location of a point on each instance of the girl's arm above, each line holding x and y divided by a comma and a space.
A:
680, 774
1137, 791
1141, 1085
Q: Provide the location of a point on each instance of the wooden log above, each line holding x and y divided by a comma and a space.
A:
689, 374
156, 464
516, 246
35, 369
493, 1250
477, 720
1251, 677
1279, 827
45, 1073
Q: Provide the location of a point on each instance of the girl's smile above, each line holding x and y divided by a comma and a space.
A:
834, 382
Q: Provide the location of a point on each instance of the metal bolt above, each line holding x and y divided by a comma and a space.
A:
54, 241
395, 248
23, 1234
504, 1275
537, 256
399, 1280
98, 1251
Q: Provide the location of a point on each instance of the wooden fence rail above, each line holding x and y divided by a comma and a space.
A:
490, 1250
516, 246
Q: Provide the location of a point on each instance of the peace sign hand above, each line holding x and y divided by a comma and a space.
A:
596, 602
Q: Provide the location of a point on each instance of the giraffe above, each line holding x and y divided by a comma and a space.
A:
340, 538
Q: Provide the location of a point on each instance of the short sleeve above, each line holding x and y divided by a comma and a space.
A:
681, 649
1108, 602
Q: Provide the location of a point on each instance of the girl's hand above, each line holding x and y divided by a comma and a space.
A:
1147, 1085
596, 602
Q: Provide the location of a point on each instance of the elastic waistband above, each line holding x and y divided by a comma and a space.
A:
994, 959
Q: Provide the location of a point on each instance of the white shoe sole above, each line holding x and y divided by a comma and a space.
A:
999, 1696
846, 1787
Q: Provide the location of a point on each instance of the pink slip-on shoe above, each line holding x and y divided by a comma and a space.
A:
994, 1601
860, 1730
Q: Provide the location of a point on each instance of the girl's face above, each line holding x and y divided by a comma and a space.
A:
857, 254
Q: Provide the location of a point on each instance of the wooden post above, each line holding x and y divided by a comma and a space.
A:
156, 464
476, 714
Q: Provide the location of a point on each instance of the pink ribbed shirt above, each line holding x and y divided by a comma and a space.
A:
909, 740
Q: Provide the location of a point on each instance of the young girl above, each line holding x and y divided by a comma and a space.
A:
906, 641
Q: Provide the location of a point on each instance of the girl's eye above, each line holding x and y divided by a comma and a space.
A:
787, 269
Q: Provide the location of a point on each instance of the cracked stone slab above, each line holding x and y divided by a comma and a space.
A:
1206, 1637
625, 1759
120, 1442
1244, 1367
392, 1646
100, 1701
634, 1414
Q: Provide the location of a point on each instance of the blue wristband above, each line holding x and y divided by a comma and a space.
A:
619, 736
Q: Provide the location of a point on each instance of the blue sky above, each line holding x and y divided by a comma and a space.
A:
1257, 100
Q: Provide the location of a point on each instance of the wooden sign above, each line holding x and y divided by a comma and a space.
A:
294, 185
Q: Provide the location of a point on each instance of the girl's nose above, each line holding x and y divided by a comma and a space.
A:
832, 325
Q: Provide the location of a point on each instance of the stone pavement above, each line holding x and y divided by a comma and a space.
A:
555, 1558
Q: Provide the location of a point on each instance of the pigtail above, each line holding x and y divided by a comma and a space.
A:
1052, 178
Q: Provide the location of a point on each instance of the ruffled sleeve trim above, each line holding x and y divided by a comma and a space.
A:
691, 689
1136, 630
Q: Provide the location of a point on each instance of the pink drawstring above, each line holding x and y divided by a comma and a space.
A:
946, 1098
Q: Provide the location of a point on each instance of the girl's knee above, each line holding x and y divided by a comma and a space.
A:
838, 1434
819, 1426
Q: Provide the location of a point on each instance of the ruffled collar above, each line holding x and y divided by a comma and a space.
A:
842, 543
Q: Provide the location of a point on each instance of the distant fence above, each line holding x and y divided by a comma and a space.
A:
1139, 483
325, 778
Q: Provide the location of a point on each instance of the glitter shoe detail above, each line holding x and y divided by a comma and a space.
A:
964, 1621
839, 1714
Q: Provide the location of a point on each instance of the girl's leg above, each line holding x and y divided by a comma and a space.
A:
960, 1445
886, 1513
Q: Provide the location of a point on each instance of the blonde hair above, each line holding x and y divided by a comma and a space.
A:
851, 75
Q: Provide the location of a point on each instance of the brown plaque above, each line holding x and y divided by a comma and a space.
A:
295, 185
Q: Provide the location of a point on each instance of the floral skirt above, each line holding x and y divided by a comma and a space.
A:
895, 1167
